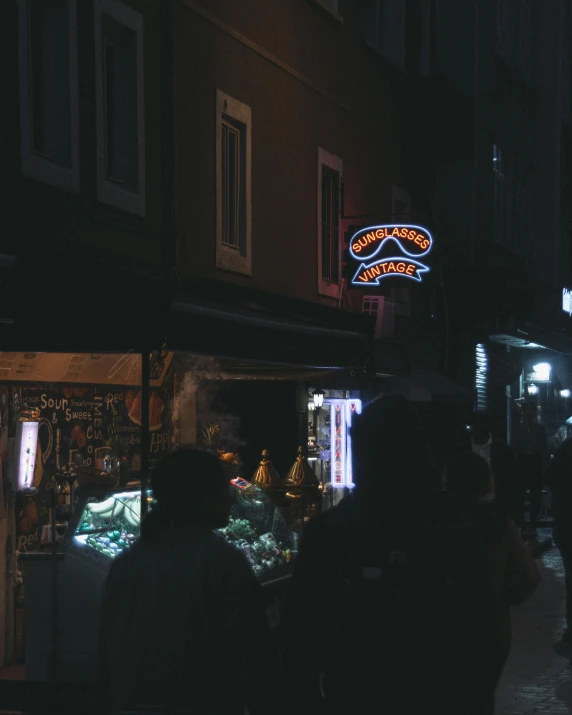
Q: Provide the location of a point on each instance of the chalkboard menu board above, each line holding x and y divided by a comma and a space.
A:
80, 424
87, 420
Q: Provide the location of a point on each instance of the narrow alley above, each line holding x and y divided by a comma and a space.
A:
536, 679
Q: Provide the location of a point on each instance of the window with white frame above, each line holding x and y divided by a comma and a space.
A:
373, 305
330, 172
383, 310
49, 91
384, 28
120, 106
234, 206
499, 194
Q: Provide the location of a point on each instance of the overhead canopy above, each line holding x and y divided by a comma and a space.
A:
82, 368
536, 337
254, 327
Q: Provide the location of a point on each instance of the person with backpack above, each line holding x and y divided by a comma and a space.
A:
387, 597
559, 479
511, 577
500, 457
531, 448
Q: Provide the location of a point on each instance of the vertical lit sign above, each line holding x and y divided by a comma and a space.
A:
338, 427
26, 446
567, 301
341, 414
353, 408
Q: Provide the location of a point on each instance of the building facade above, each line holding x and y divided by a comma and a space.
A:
182, 175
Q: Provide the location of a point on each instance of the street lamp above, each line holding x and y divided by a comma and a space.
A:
532, 389
318, 396
542, 371
311, 406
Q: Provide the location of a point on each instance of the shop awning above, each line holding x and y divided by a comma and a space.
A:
534, 337
212, 331
254, 327
424, 385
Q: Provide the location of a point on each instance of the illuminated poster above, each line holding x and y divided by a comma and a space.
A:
390, 251
27, 443
338, 427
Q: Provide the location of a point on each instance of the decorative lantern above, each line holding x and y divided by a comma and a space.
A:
318, 397
266, 477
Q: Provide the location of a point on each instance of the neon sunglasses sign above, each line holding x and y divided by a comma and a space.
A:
413, 242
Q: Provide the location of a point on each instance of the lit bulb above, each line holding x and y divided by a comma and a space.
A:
564, 393
542, 371
532, 389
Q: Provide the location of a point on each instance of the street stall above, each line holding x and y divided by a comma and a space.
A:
99, 421
67, 415
106, 523
81, 498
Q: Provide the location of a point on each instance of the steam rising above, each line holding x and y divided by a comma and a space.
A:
202, 373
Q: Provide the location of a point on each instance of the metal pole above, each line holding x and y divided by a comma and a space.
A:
145, 442
54, 669
476, 129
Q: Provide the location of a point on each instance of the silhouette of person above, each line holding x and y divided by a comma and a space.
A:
500, 458
531, 448
512, 574
559, 479
387, 585
182, 608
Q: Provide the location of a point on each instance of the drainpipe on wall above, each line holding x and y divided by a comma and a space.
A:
169, 242
476, 125
145, 440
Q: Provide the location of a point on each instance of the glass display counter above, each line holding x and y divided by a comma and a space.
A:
105, 525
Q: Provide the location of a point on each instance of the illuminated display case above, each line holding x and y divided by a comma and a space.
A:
105, 525
102, 528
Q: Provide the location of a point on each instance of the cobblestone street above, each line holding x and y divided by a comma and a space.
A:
537, 680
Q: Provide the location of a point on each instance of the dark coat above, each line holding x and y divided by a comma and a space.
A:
503, 466
183, 624
386, 647
559, 479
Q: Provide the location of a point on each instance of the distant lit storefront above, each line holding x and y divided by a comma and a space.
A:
532, 367
331, 414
